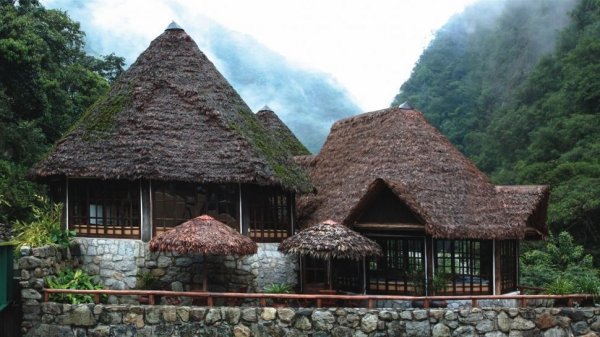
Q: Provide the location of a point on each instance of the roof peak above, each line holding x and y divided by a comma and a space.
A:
265, 108
174, 26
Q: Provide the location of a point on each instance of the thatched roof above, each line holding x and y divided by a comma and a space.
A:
281, 132
444, 188
173, 116
203, 235
529, 204
329, 239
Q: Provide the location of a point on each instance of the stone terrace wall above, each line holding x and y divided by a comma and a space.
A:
117, 262
31, 268
110, 320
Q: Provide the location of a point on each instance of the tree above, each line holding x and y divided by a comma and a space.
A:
46, 82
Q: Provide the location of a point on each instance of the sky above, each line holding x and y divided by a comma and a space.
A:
369, 47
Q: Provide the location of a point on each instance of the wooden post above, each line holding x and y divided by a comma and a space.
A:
96, 298
498, 267
426, 303
474, 303
145, 221
371, 303
263, 302
151, 299
209, 301
319, 303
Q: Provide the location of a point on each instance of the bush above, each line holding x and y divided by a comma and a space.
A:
45, 229
561, 266
72, 279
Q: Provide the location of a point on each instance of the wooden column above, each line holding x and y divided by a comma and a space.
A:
429, 251
146, 210
498, 268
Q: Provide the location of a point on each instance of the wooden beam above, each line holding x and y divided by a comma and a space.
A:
391, 226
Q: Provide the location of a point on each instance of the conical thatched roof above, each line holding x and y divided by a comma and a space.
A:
173, 116
329, 239
401, 148
281, 132
203, 235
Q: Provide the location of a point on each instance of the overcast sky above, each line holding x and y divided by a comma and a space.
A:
370, 47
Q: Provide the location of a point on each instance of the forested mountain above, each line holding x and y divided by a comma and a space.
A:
516, 86
46, 82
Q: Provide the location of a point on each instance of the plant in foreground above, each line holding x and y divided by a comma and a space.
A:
72, 279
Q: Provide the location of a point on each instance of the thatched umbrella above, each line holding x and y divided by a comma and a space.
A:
203, 235
329, 240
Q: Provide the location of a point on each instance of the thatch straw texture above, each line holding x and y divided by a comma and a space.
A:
281, 132
398, 145
173, 117
527, 203
329, 240
203, 235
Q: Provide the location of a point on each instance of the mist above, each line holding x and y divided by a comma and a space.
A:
308, 101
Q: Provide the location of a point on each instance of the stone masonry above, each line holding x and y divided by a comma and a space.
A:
120, 320
117, 262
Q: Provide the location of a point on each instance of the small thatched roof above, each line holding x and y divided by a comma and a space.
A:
173, 116
203, 235
529, 204
329, 239
399, 146
281, 132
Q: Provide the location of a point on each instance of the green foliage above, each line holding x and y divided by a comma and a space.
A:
517, 90
44, 229
46, 82
561, 266
145, 280
278, 288
72, 279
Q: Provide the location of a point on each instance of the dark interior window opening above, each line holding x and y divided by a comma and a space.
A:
509, 250
269, 213
175, 202
465, 265
401, 268
104, 208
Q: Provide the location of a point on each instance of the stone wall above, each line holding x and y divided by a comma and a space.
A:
5, 232
119, 320
32, 267
117, 262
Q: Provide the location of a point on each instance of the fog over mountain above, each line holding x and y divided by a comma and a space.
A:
308, 101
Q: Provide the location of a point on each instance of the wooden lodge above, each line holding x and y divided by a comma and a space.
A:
173, 140
443, 226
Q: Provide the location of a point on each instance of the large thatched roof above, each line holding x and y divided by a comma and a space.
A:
173, 116
203, 235
281, 132
438, 183
329, 239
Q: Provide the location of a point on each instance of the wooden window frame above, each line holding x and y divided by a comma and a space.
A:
467, 265
397, 271
116, 205
509, 255
269, 213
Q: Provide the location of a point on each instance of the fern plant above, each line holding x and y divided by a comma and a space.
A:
45, 229
72, 279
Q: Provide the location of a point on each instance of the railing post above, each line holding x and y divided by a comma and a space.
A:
371, 303
319, 303
570, 302
209, 301
426, 303
474, 303
263, 302
151, 299
46, 296
96, 298
523, 302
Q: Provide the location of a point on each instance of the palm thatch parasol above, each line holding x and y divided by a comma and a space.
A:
330, 240
203, 235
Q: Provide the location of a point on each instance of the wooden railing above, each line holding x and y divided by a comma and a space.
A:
319, 300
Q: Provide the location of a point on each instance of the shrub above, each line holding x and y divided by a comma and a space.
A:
45, 229
278, 288
72, 279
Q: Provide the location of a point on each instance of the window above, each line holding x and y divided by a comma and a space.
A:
174, 203
466, 264
269, 213
400, 269
508, 265
104, 208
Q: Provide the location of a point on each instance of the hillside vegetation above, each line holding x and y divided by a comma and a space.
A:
516, 87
